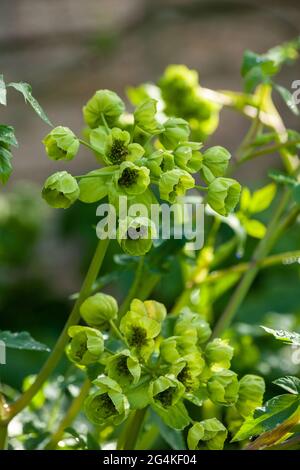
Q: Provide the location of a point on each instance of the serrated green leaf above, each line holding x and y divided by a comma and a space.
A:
2, 91
282, 178
287, 97
262, 198
25, 89
288, 337
7, 135
254, 228
5, 164
21, 340
289, 383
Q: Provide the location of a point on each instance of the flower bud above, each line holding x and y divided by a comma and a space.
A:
176, 130
135, 235
223, 387
215, 163
99, 309
165, 392
210, 433
159, 162
104, 103
223, 195
173, 348
251, 393
60, 190
132, 179
188, 369
61, 144
155, 310
219, 353
193, 324
177, 83
188, 157
124, 368
108, 405
175, 183
144, 117
86, 345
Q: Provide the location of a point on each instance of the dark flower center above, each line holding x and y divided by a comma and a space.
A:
118, 152
138, 336
165, 397
185, 378
128, 178
104, 405
121, 366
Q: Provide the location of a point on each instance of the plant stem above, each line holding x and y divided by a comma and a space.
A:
133, 289
73, 319
86, 144
267, 150
70, 415
3, 436
105, 123
131, 431
116, 331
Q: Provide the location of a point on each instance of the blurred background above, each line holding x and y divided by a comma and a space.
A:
67, 49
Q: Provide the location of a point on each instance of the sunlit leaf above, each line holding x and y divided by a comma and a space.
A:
289, 383
21, 340
26, 90
288, 337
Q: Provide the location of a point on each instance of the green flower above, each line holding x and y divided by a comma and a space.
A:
132, 179
178, 85
98, 309
144, 117
210, 433
215, 163
115, 147
60, 190
155, 310
174, 348
251, 393
175, 183
61, 144
104, 104
192, 324
165, 392
188, 157
124, 368
219, 353
108, 405
223, 195
159, 162
140, 331
223, 387
188, 369
95, 184
176, 130
135, 235
86, 345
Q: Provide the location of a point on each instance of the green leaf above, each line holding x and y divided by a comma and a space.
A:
288, 337
262, 198
287, 97
7, 135
282, 178
138, 396
2, 91
296, 193
5, 164
175, 417
21, 340
173, 437
289, 383
26, 89
273, 413
254, 228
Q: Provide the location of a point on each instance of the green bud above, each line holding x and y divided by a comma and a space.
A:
173, 348
210, 433
98, 309
223, 195
188, 157
188, 369
124, 368
193, 324
86, 345
60, 190
159, 162
178, 81
223, 387
132, 179
251, 393
219, 353
175, 183
215, 163
165, 392
104, 103
108, 405
176, 130
61, 144
155, 310
144, 117
135, 235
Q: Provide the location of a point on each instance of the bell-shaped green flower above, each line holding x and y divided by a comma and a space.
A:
223, 387
132, 179
210, 433
94, 186
165, 392
98, 309
176, 84
140, 331
60, 190
124, 368
145, 117
108, 405
174, 348
61, 144
188, 157
175, 183
215, 163
223, 195
115, 147
176, 130
188, 369
155, 310
192, 324
219, 353
104, 104
159, 162
251, 393
86, 345
135, 235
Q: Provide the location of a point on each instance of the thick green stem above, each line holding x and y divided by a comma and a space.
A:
3, 436
131, 431
59, 347
267, 151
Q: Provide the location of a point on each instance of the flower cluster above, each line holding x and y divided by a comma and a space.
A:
138, 152
149, 358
